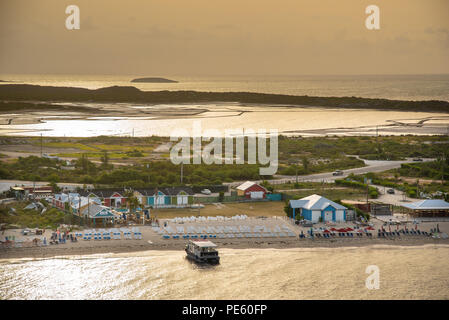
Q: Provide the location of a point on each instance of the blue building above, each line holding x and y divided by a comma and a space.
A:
314, 207
170, 197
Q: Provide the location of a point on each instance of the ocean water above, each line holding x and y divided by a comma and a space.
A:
403, 87
314, 273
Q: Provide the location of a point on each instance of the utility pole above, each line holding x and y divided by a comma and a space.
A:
182, 170
443, 161
417, 189
155, 203
88, 207
367, 189
79, 207
377, 141
296, 174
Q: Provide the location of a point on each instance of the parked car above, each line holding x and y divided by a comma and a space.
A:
206, 191
337, 173
417, 159
390, 191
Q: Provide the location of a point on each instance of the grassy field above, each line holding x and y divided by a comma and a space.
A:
319, 151
252, 209
331, 193
98, 155
328, 190
144, 161
16, 215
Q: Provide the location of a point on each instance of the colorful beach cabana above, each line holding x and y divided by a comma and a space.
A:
314, 207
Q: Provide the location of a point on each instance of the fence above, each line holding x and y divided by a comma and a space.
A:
236, 198
275, 196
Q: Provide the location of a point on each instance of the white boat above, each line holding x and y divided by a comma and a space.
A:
202, 251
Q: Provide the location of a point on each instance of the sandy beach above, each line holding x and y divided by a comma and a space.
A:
151, 240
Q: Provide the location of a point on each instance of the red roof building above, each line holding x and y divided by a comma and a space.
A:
251, 190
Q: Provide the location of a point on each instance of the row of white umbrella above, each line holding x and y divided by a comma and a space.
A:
208, 218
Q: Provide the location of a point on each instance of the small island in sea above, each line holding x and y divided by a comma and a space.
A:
154, 80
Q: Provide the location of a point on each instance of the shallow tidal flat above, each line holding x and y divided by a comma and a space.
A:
162, 120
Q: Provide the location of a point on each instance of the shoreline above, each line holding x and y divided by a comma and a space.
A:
134, 246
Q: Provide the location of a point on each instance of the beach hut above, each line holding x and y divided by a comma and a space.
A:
113, 198
98, 214
251, 190
314, 207
173, 197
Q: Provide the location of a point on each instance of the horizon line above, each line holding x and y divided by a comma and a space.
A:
229, 75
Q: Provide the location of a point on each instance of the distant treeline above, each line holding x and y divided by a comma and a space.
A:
21, 92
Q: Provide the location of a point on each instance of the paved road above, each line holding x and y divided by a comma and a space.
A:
397, 199
371, 166
7, 184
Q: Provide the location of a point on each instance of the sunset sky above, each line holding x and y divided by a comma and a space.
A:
241, 37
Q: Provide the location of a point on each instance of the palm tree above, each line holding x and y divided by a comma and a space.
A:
132, 202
